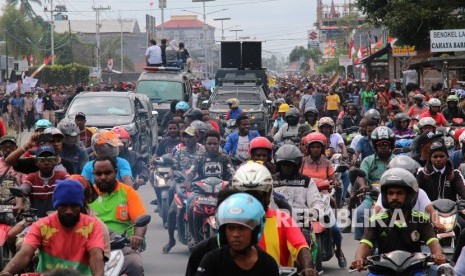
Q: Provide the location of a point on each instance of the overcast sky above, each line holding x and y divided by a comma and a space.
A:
283, 24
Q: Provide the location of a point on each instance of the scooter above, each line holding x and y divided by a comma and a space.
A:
402, 263
162, 182
447, 211
323, 235
205, 203
117, 242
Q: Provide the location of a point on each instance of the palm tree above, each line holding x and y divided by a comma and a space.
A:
25, 6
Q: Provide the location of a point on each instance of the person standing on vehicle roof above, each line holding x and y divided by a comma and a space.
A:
153, 54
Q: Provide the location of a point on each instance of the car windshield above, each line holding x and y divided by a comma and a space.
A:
120, 106
161, 91
244, 98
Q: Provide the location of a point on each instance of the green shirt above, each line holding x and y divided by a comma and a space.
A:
367, 97
374, 167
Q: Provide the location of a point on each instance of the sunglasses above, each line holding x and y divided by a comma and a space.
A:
383, 144
46, 159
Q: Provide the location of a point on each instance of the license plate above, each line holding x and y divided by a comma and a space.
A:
6, 208
207, 201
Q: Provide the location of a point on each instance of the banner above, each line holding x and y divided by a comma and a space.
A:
447, 40
12, 87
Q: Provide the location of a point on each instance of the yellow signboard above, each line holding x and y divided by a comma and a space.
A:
404, 51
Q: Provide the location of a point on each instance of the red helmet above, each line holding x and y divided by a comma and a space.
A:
122, 133
315, 137
457, 134
260, 143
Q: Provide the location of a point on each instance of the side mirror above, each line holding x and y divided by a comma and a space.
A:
142, 221
154, 113
142, 112
268, 102
204, 104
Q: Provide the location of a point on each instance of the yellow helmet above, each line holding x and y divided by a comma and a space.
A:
283, 108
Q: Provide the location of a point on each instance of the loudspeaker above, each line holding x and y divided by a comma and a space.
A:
251, 55
230, 54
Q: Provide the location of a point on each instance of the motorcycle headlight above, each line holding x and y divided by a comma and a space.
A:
160, 181
448, 222
256, 116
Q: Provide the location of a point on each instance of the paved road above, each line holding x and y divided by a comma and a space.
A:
156, 263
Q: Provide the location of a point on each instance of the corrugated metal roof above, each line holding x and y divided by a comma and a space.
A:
89, 26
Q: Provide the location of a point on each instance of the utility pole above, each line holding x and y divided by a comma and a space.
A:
162, 6
6, 53
236, 31
97, 32
52, 31
222, 19
121, 21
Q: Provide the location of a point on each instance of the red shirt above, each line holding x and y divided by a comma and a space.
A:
2, 129
214, 125
61, 247
439, 118
282, 238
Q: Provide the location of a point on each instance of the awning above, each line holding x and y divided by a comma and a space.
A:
378, 54
453, 63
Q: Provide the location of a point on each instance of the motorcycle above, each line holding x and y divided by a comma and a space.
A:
402, 263
205, 203
323, 236
180, 199
117, 242
229, 127
162, 182
447, 211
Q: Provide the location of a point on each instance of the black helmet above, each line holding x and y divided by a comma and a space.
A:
68, 128
400, 117
288, 152
404, 162
398, 177
194, 114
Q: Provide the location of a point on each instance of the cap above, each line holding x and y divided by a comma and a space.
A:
45, 148
8, 139
191, 131
80, 114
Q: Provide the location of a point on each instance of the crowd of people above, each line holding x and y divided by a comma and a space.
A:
402, 148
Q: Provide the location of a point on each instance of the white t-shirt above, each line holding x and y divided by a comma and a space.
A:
243, 147
355, 141
335, 140
420, 205
38, 105
195, 99
154, 53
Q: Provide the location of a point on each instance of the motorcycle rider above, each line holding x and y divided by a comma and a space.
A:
311, 117
288, 243
234, 110
433, 112
261, 150
425, 125
280, 121
72, 148
169, 115
184, 161
399, 190
237, 143
107, 143
193, 114
85, 134
373, 166
241, 220
212, 164
351, 119
139, 170
118, 206
170, 141
419, 107
364, 146
452, 110
181, 108
289, 129
66, 238
401, 128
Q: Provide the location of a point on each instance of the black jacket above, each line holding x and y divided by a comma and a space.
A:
448, 185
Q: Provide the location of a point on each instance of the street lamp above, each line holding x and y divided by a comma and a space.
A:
236, 31
222, 19
205, 28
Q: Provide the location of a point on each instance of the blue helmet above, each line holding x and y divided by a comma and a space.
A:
182, 105
42, 123
243, 209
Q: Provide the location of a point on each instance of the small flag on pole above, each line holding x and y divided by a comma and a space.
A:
151, 4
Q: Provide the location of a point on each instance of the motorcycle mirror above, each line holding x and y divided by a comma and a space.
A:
142, 221
445, 270
17, 192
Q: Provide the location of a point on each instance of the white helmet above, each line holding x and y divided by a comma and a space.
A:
253, 176
426, 121
434, 102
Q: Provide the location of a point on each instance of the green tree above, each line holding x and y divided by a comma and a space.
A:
410, 21
25, 6
111, 49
